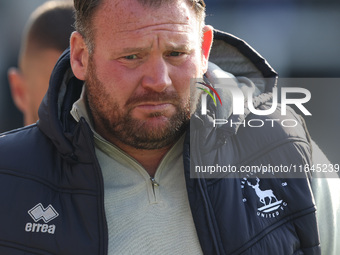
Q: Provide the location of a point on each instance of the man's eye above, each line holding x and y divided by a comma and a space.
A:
130, 57
175, 54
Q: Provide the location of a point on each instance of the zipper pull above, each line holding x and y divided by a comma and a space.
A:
153, 181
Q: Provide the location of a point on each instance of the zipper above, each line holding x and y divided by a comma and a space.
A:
154, 184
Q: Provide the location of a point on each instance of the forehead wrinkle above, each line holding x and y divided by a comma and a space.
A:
154, 27
170, 45
127, 19
181, 34
136, 49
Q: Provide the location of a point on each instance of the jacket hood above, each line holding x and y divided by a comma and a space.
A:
55, 119
230, 53
235, 64
235, 56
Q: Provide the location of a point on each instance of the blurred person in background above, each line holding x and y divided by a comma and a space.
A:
46, 36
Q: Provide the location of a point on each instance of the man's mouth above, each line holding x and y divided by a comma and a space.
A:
152, 107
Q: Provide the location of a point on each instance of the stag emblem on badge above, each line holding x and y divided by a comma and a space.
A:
263, 194
270, 205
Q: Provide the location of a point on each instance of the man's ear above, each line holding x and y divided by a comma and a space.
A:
19, 89
79, 55
207, 40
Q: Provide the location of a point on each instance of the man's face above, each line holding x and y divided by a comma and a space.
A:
138, 77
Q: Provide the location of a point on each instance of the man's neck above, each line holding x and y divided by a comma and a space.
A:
149, 159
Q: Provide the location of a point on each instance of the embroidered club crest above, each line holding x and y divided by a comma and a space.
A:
269, 206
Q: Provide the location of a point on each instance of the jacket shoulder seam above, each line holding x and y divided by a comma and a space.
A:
46, 183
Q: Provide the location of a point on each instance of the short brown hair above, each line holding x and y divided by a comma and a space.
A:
50, 27
85, 9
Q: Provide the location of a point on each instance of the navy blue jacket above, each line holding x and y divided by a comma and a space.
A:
51, 187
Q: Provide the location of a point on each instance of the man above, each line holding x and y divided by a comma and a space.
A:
46, 36
106, 170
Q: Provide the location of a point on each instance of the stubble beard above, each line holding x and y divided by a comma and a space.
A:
120, 125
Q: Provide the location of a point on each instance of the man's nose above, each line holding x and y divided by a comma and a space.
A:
156, 75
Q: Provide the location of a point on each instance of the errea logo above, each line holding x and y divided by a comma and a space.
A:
47, 214
38, 213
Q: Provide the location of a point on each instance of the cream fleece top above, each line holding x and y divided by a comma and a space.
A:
144, 215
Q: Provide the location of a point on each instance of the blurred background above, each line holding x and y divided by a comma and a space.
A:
299, 38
